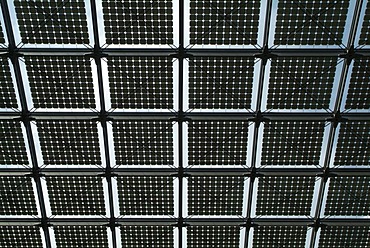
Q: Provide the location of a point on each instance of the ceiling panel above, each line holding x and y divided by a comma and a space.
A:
286, 236
20, 236
213, 236
81, 236
147, 236
12, 145
344, 236
7, 91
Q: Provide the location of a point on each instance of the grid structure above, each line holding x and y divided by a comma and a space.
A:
184, 123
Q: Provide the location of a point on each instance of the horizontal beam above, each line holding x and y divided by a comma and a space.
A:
193, 116
58, 221
196, 52
188, 172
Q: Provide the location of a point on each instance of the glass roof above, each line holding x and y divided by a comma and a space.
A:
184, 123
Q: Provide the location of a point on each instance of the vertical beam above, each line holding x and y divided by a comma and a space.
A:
97, 55
336, 112
25, 118
258, 120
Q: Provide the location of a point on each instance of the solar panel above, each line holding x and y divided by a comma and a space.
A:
344, 236
365, 33
310, 22
224, 22
61, 81
146, 195
213, 236
20, 236
285, 196
143, 142
7, 92
215, 195
220, 82
353, 144
348, 196
147, 236
69, 142
81, 236
52, 22
359, 89
16, 196
218, 142
301, 83
292, 143
76, 195
141, 82
12, 144
284, 236
138, 22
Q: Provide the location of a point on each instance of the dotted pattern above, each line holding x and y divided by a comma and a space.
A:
7, 92
295, 25
353, 144
218, 83
138, 22
213, 236
143, 143
285, 196
292, 143
144, 82
231, 22
344, 236
215, 195
147, 236
359, 87
12, 146
60, 82
16, 196
301, 83
76, 195
52, 22
365, 32
146, 195
279, 236
81, 236
20, 236
2, 40
218, 143
348, 196
69, 142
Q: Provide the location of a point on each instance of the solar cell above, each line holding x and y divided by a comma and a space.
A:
147, 236
344, 236
283, 236
365, 33
52, 22
81, 236
218, 143
7, 92
20, 236
213, 236
12, 144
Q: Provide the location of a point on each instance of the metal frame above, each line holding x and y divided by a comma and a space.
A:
182, 117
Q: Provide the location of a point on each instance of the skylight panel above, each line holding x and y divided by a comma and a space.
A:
213, 236
141, 82
17, 196
138, 22
146, 195
348, 196
147, 236
7, 92
69, 142
20, 236
60, 81
301, 83
215, 195
224, 22
365, 30
143, 142
12, 144
218, 142
220, 82
310, 22
284, 236
292, 143
359, 88
285, 195
344, 236
76, 195
81, 236
353, 144
52, 22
